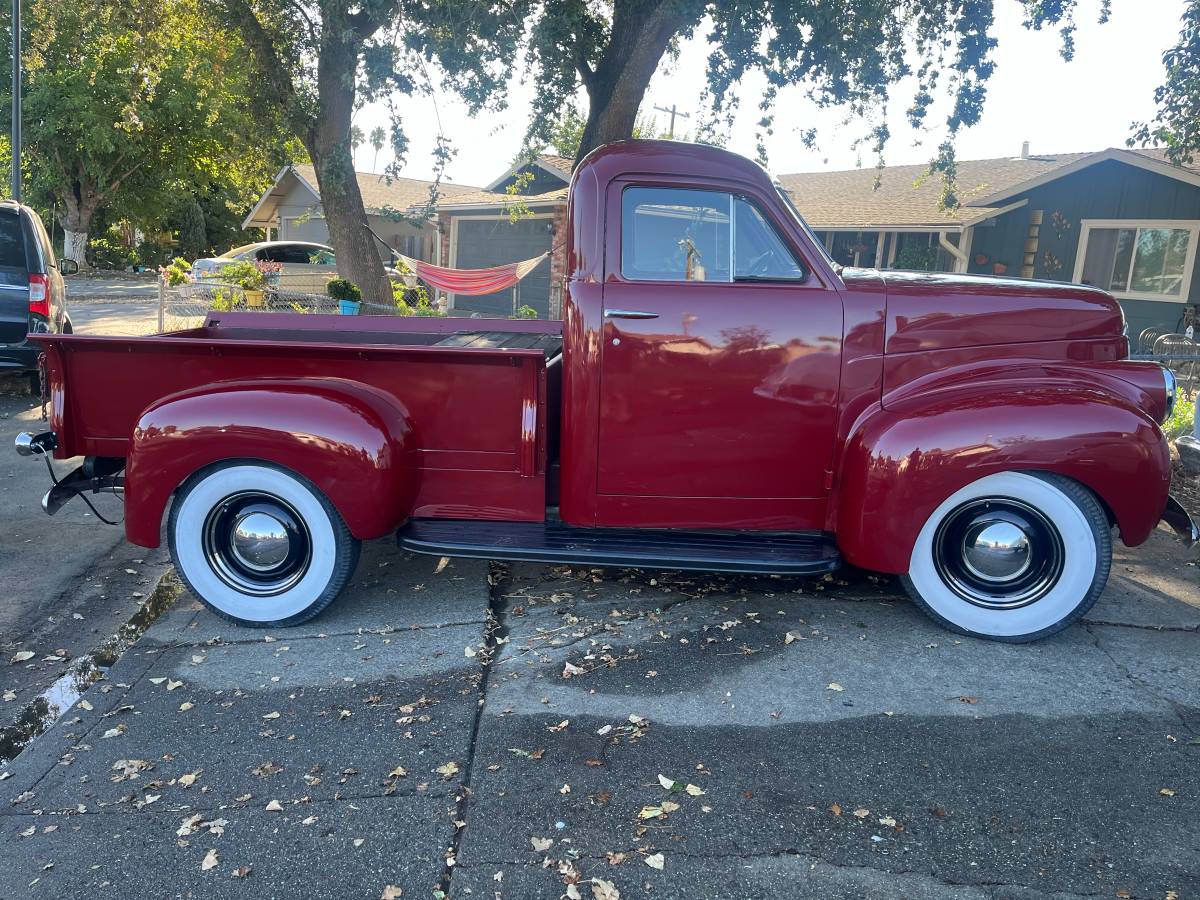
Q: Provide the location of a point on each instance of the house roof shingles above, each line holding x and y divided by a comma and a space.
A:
380, 192
849, 199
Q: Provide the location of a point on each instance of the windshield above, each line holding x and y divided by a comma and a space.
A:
787, 201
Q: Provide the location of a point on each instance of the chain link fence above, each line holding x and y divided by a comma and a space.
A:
186, 305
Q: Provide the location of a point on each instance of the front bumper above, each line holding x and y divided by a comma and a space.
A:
1181, 521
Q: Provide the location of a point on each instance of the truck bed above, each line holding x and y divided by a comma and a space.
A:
475, 392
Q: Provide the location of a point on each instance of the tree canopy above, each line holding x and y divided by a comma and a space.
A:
318, 61
135, 107
850, 54
1176, 123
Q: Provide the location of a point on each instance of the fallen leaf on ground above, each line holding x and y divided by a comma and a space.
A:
570, 669
667, 783
836, 809
274, 806
398, 772
186, 705
391, 892
240, 872
171, 685
1166, 792
969, 700
271, 715
887, 822
189, 778
449, 770
441, 565
834, 686
861, 813
9, 696
655, 861
604, 890
21, 656
669, 807
792, 636
650, 812
210, 861
114, 732
540, 844
83, 704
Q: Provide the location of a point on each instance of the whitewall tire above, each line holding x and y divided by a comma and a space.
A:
1012, 557
259, 545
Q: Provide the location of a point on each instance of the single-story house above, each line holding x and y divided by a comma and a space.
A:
1125, 220
473, 228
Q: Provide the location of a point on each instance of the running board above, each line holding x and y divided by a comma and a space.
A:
774, 553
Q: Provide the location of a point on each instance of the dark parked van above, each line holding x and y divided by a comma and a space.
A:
32, 292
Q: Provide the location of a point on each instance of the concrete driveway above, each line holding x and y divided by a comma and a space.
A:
532, 732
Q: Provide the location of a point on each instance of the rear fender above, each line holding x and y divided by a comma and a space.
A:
352, 441
900, 463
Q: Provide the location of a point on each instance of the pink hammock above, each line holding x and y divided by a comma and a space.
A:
472, 282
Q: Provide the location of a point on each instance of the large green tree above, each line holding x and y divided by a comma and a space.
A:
844, 53
319, 60
128, 105
1176, 123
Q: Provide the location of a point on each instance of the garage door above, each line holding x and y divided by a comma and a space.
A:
492, 242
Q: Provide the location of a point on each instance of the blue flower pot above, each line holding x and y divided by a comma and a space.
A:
349, 307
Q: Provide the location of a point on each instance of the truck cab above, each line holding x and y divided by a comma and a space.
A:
720, 396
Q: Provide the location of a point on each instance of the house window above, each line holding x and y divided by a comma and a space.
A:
1138, 260
677, 234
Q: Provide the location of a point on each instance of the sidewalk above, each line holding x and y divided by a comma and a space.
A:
816, 739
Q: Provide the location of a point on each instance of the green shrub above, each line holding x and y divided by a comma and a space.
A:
109, 252
178, 272
916, 257
1182, 419
526, 312
343, 289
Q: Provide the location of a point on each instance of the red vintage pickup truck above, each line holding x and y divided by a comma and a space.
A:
719, 396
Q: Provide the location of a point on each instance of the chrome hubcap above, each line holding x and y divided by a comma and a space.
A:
998, 553
257, 543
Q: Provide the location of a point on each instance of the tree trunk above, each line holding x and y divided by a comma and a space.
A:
328, 142
80, 205
641, 31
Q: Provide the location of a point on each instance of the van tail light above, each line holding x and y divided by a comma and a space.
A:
39, 295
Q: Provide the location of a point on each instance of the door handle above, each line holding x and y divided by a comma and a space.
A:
629, 314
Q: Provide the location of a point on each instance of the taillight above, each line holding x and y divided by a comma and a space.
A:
39, 295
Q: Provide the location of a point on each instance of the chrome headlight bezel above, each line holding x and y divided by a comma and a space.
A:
1171, 388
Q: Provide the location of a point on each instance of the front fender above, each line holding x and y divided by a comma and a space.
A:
900, 463
352, 441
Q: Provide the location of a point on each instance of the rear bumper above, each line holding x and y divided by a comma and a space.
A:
19, 357
1181, 521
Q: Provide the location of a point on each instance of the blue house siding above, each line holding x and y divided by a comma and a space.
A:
1107, 190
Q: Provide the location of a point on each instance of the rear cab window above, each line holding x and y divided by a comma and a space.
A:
681, 234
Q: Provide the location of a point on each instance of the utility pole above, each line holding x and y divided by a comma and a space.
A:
16, 100
673, 112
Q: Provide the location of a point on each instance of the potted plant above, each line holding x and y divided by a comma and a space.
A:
271, 272
999, 268
347, 294
246, 275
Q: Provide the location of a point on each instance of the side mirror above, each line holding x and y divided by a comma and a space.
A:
67, 266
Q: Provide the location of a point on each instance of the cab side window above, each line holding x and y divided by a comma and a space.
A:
675, 234
679, 234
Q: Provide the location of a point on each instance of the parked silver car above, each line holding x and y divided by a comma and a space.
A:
306, 265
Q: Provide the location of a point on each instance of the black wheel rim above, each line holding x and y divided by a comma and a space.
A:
998, 553
257, 543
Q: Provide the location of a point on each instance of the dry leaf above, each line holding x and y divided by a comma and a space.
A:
308, 821
114, 732
655, 861
9, 696
792, 636
969, 700
667, 783
22, 655
887, 822
83, 704
650, 812
240, 872
391, 892
604, 890
834, 686
210, 861
449, 770
861, 813
836, 809
186, 705
398, 772
274, 806
171, 685
189, 779
441, 565
1166, 792
571, 669
541, 845
271, 715
669, 807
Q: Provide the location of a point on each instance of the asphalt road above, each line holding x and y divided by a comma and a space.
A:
508, 733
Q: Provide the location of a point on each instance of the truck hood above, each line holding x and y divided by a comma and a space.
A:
935, 311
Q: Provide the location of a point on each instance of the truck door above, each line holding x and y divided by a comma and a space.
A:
720, 364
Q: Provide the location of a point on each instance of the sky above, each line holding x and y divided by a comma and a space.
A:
1034, 95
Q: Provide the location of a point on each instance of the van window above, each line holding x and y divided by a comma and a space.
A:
12, 242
